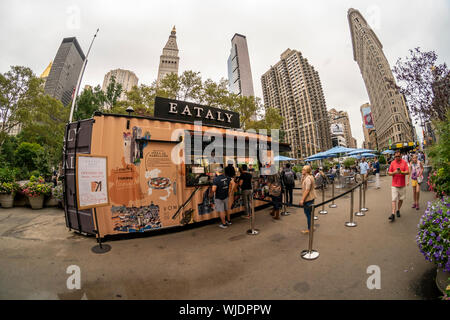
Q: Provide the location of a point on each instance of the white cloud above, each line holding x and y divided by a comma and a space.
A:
133, 33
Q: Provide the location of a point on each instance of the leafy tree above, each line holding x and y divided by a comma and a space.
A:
7, 150
31, 157
47, 127
112, 94
425, 84
18, 88
89, 101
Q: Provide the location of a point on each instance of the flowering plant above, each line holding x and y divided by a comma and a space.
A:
438, 182
36, 187
8, 187
434, 233
57, 192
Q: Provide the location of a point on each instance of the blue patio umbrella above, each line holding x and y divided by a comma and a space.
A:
283, 158
338, 149
368, 155
359, 151
388, 152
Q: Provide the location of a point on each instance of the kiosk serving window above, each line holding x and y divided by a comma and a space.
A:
204, 155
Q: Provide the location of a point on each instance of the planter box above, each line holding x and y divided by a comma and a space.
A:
36, 202
442, 279
7, 200
51, 202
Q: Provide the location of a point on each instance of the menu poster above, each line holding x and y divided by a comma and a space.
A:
92, 184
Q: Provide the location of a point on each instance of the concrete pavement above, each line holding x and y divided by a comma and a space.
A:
208, 262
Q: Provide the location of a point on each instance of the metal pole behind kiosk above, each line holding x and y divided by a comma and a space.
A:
77, 88
364, 209
252, 231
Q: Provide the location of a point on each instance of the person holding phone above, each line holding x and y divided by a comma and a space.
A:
398, 170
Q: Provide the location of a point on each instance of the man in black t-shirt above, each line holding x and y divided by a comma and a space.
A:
245, 182
220, 188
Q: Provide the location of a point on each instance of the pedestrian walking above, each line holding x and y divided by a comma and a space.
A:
245, 182
308, 195
416, 177
221, 189
376, 170
398, 169
288, 180
275, 191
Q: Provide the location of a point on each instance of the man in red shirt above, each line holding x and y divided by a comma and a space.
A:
398, 170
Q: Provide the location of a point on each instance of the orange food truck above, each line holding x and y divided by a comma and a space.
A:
160, 169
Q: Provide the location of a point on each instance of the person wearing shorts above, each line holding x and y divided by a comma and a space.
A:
220, 188
416, 178
398, 170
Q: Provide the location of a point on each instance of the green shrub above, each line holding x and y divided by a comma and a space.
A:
32, 159
349, 162
382, 159
7, 174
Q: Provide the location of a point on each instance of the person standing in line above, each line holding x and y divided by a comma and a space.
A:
363, 170
398, 169
308, 196
245, 182
416, 177
376, 170
288, 180
229, 170
275, 191
221, 189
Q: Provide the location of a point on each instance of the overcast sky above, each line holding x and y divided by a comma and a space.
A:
133, 33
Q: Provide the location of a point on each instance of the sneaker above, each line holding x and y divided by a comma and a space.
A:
417, 207
398, 214
223, 226
392, 217
245, 216
413, 206
229, 223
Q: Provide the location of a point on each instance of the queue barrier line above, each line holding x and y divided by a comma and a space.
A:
320, 204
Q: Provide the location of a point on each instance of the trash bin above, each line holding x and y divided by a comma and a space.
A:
426, 173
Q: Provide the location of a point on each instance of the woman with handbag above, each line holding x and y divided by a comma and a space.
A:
416, 169
275, 191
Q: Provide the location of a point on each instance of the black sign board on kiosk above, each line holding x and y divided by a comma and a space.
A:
190, 112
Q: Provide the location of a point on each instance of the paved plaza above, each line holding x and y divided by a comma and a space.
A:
207, 262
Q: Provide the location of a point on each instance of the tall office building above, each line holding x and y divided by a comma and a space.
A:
293, 87
45, 74
390, 114
169, 60
125, 77
64, 72
239, 71
340, 122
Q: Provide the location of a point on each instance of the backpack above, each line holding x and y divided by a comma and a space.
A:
289, 178
275, 190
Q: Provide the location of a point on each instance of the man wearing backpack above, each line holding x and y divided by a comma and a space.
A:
288, 178
220, 189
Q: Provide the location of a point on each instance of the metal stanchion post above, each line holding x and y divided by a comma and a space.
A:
285, 212
323, 211
252, 230
332, 205
99, 248
310, 254
351, 223
360, 213
364, 209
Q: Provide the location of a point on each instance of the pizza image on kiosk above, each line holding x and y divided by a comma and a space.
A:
159, 183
